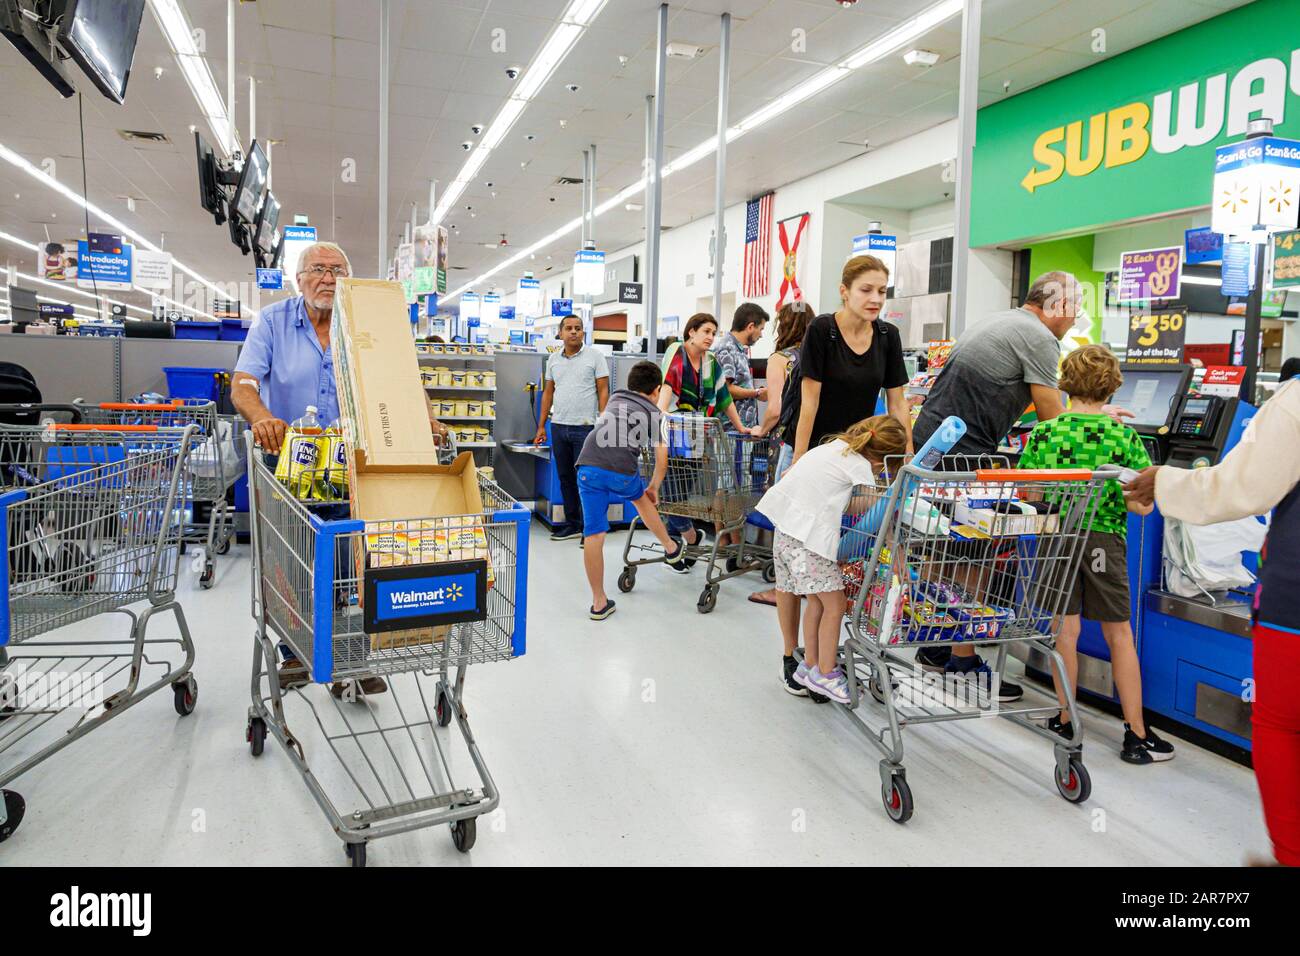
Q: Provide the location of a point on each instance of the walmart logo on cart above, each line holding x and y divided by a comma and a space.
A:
444, 593
453, 592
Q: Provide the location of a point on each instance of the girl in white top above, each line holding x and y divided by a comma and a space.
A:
806, 506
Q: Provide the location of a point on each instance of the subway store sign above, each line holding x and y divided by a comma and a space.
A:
1135, 135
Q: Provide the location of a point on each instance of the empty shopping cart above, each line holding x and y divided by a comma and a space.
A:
90, 523
322, 588
715, 476
216, 463
950, 557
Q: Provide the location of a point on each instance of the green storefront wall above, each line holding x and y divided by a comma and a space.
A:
1073, 255
1087, 143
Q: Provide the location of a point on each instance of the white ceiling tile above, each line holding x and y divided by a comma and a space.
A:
299, 50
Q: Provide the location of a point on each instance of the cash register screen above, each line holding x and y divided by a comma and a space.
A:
1150, 394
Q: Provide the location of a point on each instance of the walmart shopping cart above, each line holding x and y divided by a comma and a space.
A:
216, 462
716, 476
90, 522
317, 589
988, 556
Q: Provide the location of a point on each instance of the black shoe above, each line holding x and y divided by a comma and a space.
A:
603, 613
933, 658
566, 531
1143, 751
792, 687
678, 562
1062, 729
975, 667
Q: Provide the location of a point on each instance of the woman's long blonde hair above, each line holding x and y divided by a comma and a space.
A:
876, 438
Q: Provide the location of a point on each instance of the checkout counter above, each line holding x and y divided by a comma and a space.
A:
1195, 652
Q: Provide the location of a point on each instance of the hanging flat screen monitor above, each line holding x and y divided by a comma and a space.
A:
100, 35
210, 197
268, 220
1152, 395
252, 180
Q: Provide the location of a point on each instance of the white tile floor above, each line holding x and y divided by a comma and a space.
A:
659, 736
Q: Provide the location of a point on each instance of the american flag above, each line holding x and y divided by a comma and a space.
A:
758, 246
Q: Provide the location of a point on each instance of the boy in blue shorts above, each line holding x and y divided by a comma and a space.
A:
608, 473
1085, 437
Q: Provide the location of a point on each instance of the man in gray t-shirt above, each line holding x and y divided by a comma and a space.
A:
998, 367
995, 370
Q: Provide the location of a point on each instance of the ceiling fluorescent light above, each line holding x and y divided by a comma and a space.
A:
559, 43
180, 37
9, 156
20, 242
902, 35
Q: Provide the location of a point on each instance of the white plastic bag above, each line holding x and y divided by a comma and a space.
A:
1201, 558
217, 457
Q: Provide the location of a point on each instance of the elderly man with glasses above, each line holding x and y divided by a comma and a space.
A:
284, 366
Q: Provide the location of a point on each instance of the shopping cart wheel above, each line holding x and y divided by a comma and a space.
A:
206, 578
185, 694
897, 798
1075, 785
442, 709
769, 572
627, 580
356, 853
224, 546
873, 685
463, 833
255, 734
708, 599
15, 807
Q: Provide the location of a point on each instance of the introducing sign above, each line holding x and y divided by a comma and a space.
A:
629, 293
1157, 338
103, 261
1150, 274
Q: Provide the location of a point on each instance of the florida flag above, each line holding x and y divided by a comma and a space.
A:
758, 246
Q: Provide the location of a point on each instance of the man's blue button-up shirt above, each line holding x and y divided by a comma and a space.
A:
284, 354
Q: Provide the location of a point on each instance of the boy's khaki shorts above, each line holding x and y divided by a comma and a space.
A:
1101, 591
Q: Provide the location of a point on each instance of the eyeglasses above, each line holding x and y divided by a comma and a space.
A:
338, 272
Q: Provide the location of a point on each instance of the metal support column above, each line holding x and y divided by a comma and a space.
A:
653, 192
720, 168
967, 108
381, 268
230, 75
648, 297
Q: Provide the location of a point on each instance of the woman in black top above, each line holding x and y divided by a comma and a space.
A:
848, 357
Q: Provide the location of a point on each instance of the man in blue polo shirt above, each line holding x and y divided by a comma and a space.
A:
284, 366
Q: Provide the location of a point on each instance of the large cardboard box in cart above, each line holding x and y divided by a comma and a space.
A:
382, 402
425, 554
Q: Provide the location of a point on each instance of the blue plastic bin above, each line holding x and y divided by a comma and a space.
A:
204, 384
234, 330
210, 331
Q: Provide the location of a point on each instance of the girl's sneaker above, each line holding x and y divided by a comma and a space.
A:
834, 685
1145, 750
788, 666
